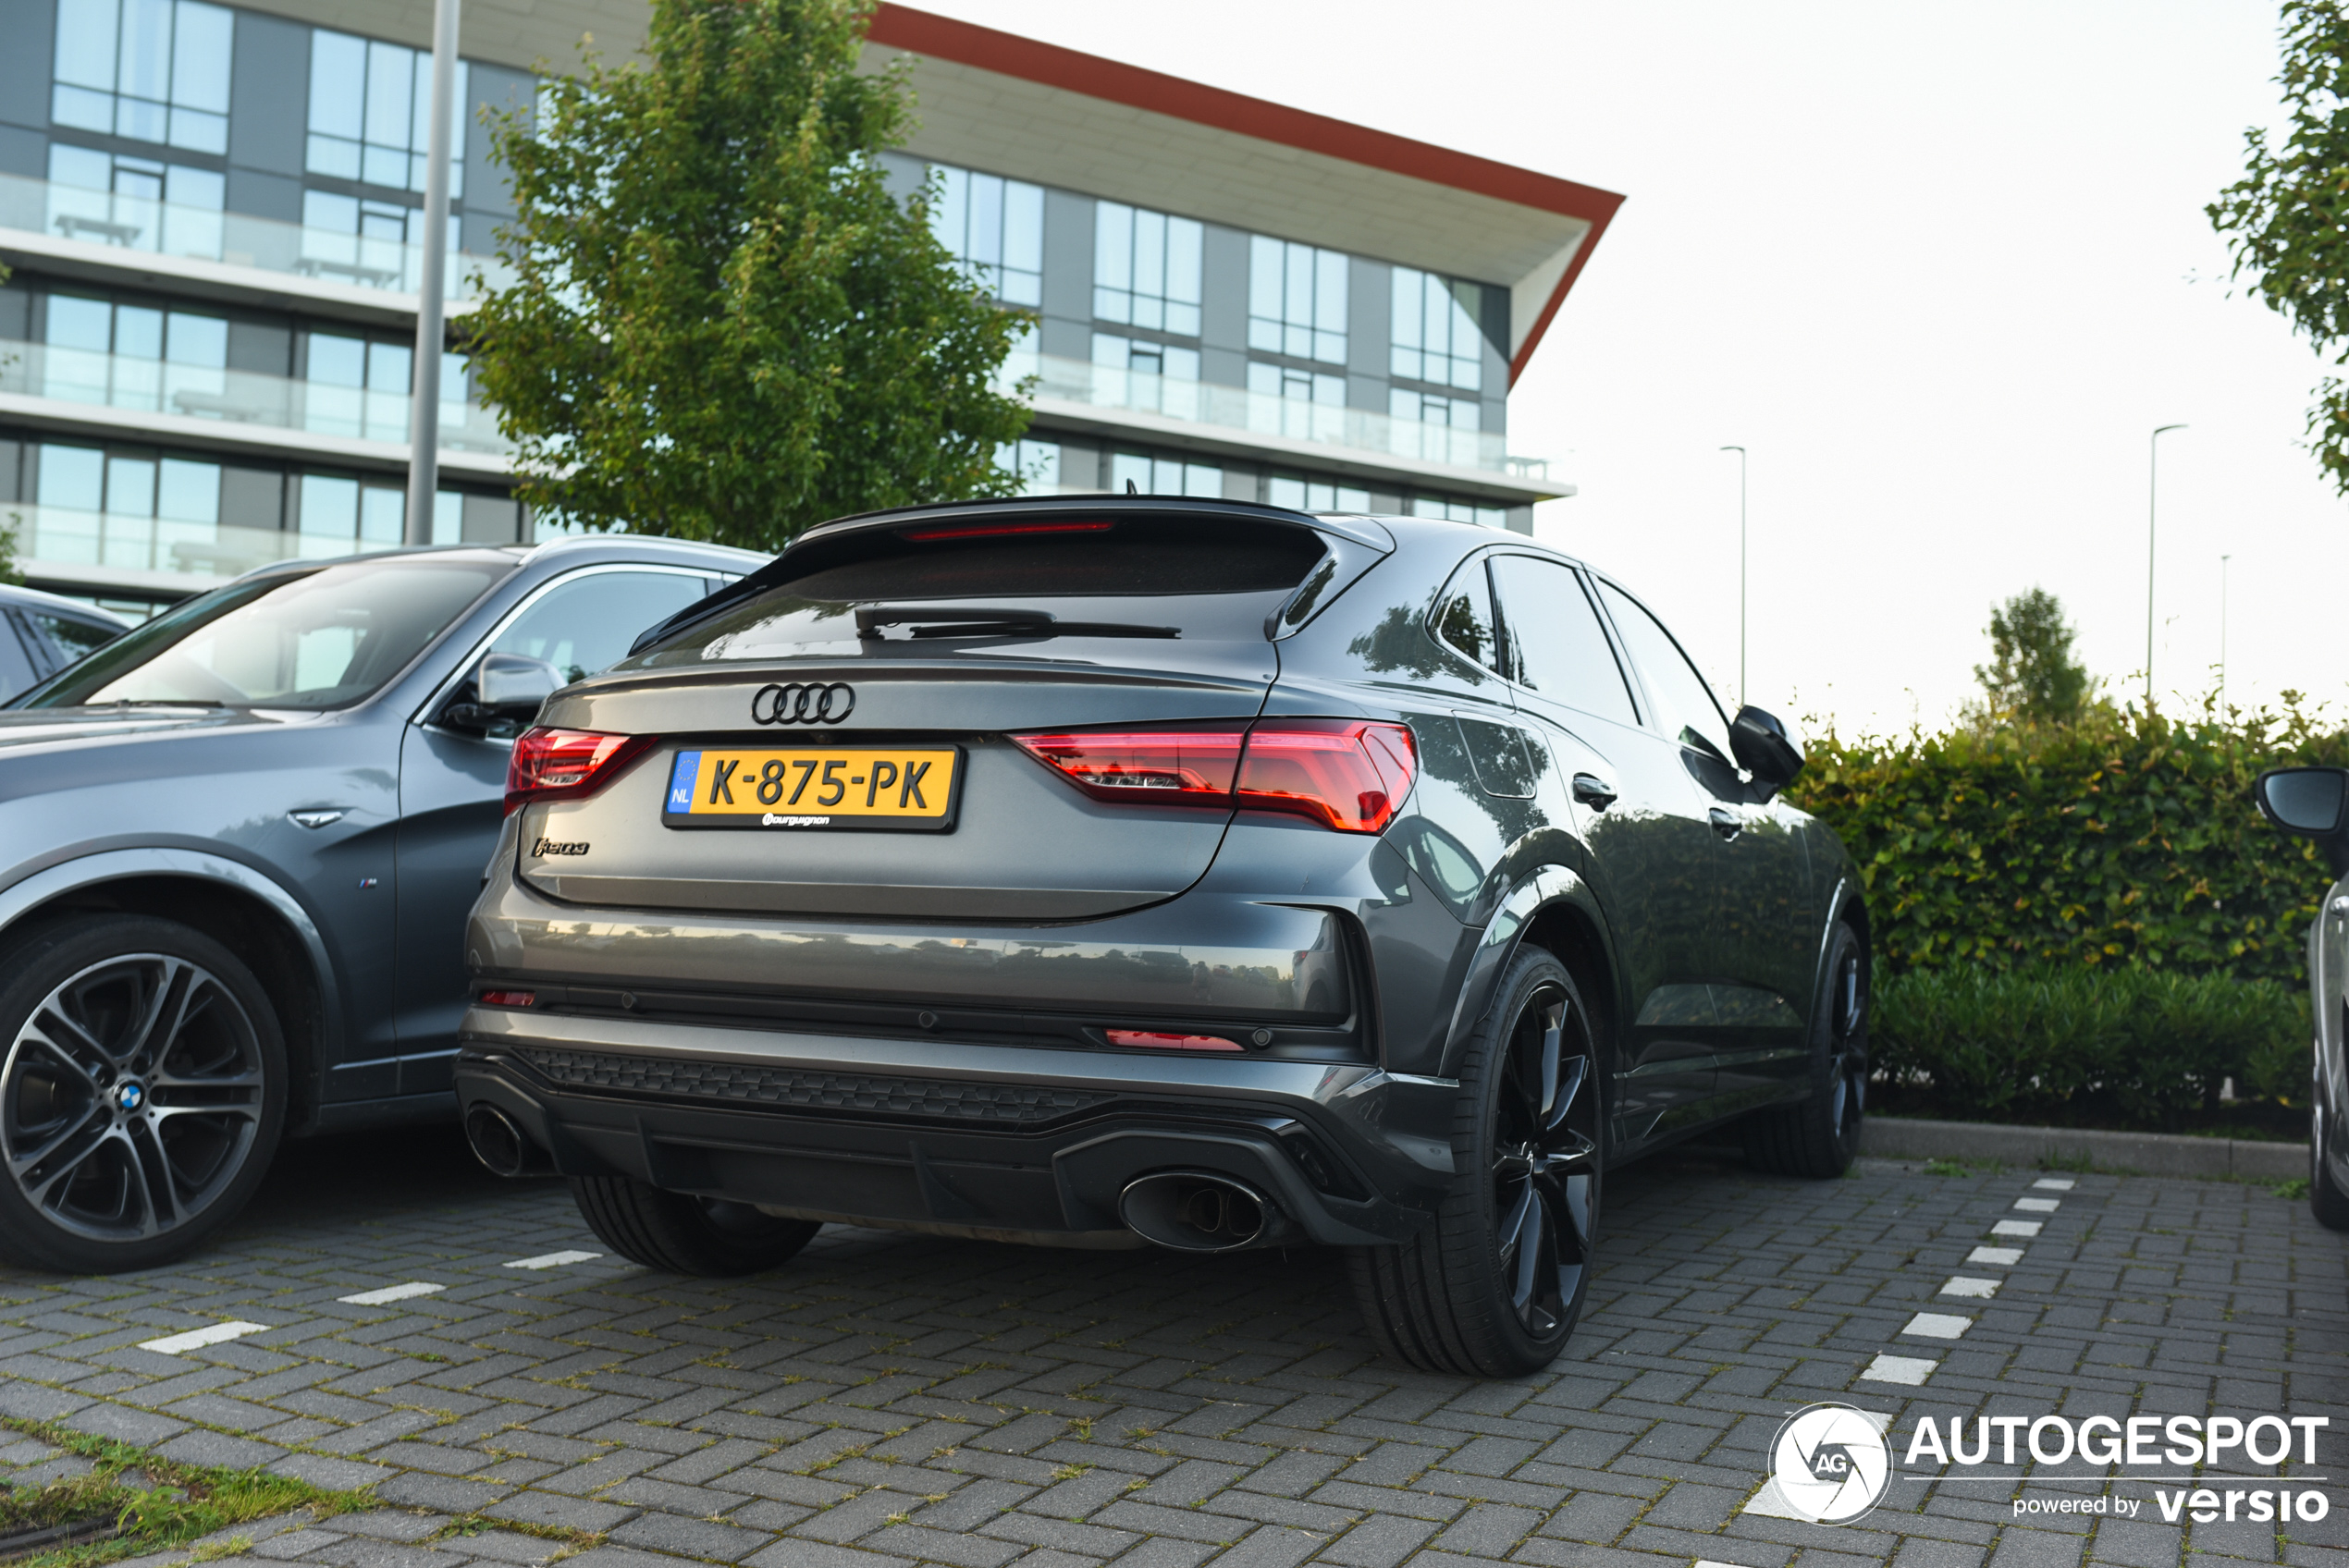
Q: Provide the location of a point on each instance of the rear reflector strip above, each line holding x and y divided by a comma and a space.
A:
507, 999
1171, 1042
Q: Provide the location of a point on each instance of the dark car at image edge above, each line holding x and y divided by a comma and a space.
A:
1103, 872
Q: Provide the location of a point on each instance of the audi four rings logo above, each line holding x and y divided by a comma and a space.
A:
797, 703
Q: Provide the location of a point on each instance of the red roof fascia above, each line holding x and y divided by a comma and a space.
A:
923, 32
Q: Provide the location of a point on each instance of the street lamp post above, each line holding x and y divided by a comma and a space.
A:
424, 406
2152, 504
1740, 452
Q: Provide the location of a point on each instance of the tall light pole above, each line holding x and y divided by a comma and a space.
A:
423, 403
2153, 510
2222, 634
1740, 452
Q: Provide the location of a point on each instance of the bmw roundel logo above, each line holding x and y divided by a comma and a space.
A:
797, 703
129, 1096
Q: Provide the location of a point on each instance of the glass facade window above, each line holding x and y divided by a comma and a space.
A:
1164, 476
1304, 495
371, 113
1038, 464
149, 70
334, 510
1297, 385
1146, 358
1459, 512
1296, 300
1436, 336
1426, 408
995, 227
1146, 268
140, 203
129, 356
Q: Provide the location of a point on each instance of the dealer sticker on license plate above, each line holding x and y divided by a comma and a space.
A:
904, 787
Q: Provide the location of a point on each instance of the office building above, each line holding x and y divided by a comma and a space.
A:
213, 214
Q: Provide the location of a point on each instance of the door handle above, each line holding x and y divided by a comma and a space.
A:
1594, 791
1727, 824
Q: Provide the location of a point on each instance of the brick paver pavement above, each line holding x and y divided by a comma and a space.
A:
889, 1399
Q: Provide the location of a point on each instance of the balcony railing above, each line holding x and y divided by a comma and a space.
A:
138, 223
1259, 413
203, 551
118, 381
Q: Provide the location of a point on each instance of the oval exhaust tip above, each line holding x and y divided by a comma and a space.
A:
496, 1141
1193, 1210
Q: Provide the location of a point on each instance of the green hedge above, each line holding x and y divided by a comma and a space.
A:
2134, 1047
2124, 840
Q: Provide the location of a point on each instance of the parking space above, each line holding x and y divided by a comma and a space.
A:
890, 1399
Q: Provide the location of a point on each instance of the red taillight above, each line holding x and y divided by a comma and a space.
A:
567, 764
1157, 1041
507, 999
1346, 774
1146, 767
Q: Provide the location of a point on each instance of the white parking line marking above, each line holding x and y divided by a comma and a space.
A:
1966, 1286
2015, 1228
1910, 1369
391, 1294
2038, 1205
1998, 1257
553, 1260
196, 1338
1938, 1326
2054, 1184
1709, 1562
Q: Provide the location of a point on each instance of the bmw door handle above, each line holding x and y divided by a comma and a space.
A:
1594, 791
1725, 823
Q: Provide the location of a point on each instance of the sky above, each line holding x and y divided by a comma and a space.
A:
1941, 269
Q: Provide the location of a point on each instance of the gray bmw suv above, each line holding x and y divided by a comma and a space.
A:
237, 846
1113, 871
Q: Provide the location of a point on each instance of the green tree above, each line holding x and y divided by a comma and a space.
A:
2032, 673
723, 325
2283, 219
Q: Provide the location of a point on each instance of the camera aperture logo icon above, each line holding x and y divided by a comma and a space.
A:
1831, 1462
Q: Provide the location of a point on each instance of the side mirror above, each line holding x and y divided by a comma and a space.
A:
2309, 803
508, 692
1764, 749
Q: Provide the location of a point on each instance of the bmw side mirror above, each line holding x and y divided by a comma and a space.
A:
508, 692
1765, 751
2309, 803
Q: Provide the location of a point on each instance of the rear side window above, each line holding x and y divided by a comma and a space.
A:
1463, 618
1188, 577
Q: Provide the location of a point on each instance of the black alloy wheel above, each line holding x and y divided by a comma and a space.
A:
2326, 1200
1493, 1289
1819, 1136
141, 1094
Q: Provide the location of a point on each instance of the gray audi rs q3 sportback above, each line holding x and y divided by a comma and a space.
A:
237, 846
1109, 871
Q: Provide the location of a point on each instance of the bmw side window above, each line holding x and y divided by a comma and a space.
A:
71, 639
1463, 620
1684, 704
1561, 649
586, 624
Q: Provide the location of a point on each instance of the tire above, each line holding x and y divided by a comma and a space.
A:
142, 1091
1492, 1288
682, 1234
1819, 1136
2326, 1201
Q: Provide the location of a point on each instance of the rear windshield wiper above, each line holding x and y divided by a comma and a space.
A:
926, 620
158, 703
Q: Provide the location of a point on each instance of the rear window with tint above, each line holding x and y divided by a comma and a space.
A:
1182, 577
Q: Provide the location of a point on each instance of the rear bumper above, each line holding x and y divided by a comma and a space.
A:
1034, 1143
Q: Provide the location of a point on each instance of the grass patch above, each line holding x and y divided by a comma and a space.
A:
482, 1524
154, 1504
2294, 1188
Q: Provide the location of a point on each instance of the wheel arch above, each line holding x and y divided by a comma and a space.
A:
245, 911
1554, 908
1846, 906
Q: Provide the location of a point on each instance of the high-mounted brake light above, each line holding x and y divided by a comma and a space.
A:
1349, 775
550, 765
996, 530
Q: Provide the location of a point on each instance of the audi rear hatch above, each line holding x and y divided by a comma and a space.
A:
1028, 712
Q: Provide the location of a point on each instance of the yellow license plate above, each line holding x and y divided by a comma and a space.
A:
909, 789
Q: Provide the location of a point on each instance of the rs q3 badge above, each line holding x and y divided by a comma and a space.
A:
798, 704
